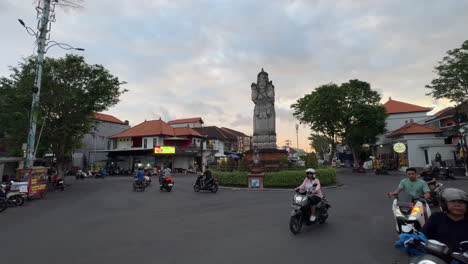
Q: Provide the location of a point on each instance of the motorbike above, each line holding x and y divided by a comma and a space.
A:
301, 211
13, 198
58, 184
147, 181
436, 252
210, 184
445, 173
81, 175
167, 184
138, 185
409, 212
3, 204
435, 194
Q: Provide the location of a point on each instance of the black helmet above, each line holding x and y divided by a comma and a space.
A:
452, 194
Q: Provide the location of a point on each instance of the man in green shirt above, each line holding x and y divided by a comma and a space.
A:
413, 186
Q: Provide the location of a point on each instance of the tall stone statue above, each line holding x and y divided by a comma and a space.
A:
264, 119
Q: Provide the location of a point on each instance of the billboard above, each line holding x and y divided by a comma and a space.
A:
164, 150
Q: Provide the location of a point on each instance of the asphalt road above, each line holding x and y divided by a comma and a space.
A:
104, 221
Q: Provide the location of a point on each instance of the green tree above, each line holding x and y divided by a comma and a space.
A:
311, 161
350, 113
321, 110
452, 76
363, 116
320, 143
72, 91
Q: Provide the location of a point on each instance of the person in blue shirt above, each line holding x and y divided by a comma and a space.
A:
103, 172
140, 174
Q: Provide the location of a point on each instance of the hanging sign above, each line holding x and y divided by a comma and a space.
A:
399, 147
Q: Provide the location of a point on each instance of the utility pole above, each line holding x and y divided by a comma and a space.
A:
297, 136
43, 30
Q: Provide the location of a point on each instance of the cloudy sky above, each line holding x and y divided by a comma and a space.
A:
198, 58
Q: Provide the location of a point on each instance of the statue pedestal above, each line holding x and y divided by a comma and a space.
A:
255, 180
268, 159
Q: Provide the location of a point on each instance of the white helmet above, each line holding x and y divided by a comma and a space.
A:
310, 170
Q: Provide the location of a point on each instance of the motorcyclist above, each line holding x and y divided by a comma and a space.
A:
140, 175
428, 176
308, 183
450, 226
166, 173
413, 186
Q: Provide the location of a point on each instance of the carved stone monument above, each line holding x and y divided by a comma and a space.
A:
264, 119
264, 156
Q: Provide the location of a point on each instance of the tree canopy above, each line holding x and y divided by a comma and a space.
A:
452, 76
72, 92
350, 113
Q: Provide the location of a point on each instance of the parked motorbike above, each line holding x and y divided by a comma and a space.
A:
209, 184
58, 185
301, 211
437, 252
3, 204
13, 198
382, 170
409, 213
138, 185
81, 175
167, 184
445, 173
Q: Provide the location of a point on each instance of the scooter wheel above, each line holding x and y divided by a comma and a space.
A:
19, 200
3, 205
169, 189
295, 224
196, 188
214, 189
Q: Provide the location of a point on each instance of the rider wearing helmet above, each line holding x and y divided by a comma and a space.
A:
308, 185
428, 176
450, 226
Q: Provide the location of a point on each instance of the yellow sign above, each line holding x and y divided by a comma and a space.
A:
164, 150
399, 147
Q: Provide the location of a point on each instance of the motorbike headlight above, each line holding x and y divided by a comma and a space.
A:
416, 210
298, 199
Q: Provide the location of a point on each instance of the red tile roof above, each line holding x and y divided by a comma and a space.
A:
187, 120
186, 131
413, 128
397, 107
443, 111
156, 127
234, 132
107, 118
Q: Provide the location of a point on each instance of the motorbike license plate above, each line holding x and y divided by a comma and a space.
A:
61, 182
296, 206
170, 184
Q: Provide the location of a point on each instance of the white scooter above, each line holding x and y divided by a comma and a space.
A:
409, 212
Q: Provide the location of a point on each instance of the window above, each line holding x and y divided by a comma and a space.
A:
109, 144
155, 142
145, 143
426, 156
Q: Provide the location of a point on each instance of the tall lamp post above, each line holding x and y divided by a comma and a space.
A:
464, 148
46, 14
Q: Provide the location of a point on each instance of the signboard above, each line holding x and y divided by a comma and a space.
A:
399, 147
164, 150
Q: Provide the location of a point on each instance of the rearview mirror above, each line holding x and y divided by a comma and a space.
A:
314, 185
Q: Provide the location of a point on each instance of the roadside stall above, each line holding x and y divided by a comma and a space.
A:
36, 181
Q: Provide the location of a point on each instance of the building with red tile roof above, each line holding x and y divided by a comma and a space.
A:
108, 118
397, 107
187, 122
413, 128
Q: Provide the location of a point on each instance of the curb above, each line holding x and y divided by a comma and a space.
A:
246, 189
